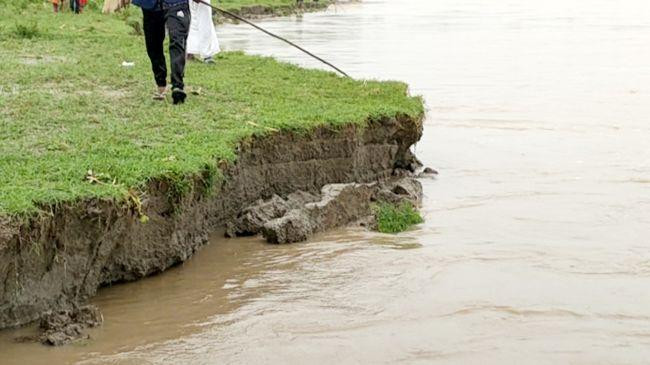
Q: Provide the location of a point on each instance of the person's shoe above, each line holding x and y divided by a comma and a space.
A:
160, 94
208, 60
178, 95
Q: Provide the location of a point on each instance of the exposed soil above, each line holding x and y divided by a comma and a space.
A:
65, 326
302, 214
57, 260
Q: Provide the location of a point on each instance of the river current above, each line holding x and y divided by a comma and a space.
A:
536, 246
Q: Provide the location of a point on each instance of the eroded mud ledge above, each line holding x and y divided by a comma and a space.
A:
267, 11
60, 259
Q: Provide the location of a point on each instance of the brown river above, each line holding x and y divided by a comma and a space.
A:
536, 246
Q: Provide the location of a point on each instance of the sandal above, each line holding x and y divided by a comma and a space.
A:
158, 95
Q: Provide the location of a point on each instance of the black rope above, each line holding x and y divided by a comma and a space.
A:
237, 17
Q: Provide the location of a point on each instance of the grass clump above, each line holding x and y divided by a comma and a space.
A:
393, 218
68, 107
132, 16
26, 31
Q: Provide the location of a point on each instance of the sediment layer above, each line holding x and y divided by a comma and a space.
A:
60, 258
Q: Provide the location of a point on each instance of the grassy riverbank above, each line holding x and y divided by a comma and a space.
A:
67, 106
271, 7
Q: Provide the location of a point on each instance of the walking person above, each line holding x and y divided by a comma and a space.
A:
202, 40
176, 16
75, 6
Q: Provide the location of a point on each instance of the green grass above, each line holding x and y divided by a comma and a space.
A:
28, 31
67, 106
396, 218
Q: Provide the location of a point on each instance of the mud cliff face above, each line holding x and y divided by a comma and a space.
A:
60, 258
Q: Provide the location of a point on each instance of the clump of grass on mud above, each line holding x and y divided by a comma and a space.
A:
393, 218
68, 106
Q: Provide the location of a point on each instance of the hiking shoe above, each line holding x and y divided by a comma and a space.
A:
178, 95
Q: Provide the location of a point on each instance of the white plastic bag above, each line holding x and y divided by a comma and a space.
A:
202, 39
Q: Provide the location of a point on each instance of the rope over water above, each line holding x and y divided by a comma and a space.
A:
237, 17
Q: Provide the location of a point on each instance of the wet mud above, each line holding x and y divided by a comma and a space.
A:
302, 214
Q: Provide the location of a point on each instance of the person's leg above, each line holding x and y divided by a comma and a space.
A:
153, 24
74, 6
178, 24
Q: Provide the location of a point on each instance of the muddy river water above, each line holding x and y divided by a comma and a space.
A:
536, 246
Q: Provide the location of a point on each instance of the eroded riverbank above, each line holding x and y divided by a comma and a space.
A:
260, 11
61, 259
535, 246
115, 187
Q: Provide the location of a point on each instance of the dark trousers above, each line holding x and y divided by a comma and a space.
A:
75, 6
177, 20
